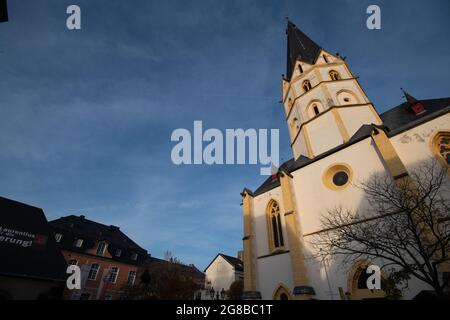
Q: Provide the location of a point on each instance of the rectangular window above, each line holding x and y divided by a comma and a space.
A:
118, 252
114, 274
131, 278
85, 296
101, 248
58, 237
134, 256
78, 243
108, 297
93, 271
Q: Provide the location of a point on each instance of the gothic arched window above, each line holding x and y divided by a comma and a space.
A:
274, 224
306, 85
441, 145
334, 75
314, 108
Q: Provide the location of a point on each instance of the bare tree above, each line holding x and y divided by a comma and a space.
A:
406, 225
166, 279
235, 291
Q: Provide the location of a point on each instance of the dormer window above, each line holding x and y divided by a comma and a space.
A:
306, 85
134, 256
418, 108
101, 248
118, 253
78, 243
58, 237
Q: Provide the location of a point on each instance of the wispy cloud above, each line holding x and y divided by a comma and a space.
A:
86, 116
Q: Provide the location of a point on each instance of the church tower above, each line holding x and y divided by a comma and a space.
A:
323, 101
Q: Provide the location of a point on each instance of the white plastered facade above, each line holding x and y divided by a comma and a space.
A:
343, 109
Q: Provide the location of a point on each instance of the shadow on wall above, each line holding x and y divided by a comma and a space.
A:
391, 237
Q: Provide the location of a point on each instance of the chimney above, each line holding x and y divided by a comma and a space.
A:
113, 228
240, 255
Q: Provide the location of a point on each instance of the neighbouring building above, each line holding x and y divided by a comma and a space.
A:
31, 266
221, 272
187, 271
337, 137
109, 260
170, 279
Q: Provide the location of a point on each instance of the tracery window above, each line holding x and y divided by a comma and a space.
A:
274, 222
442, 146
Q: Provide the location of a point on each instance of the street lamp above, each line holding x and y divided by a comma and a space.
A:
222, 294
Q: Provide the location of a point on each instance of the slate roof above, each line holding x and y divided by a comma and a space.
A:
78, 227
237, 263
27, 247
299, 46
402, 117
395, 121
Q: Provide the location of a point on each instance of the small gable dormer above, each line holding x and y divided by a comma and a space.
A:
415, 105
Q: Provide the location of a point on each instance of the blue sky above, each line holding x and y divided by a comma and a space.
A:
86, 116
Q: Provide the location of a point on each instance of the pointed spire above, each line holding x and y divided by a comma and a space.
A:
299, 46
415, 105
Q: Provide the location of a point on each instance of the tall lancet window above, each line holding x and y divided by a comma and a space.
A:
275, 231
441, 144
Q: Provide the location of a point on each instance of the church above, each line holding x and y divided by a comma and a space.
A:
337, 138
